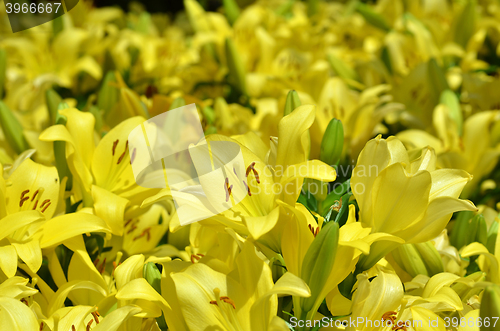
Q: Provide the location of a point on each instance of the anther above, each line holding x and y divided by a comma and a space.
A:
145, 232
101, 269
23, 198
228, 189
132, 158
89, 324
314, 230
193, 257
251, 167
123, 154
115, 143
337, 205
95, 314
390, 315
228, 300
47, 206
34, 195
248, 188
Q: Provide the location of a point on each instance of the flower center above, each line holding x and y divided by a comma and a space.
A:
25, 198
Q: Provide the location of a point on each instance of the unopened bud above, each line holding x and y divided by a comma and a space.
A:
292, 102
332, 143
490, 307
237, 76
12, 129
318, 264
152, 275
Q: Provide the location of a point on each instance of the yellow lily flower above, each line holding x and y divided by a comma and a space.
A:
406, 198
246, 300
380, 304
102, 173
28, 198
263, 184
475, 152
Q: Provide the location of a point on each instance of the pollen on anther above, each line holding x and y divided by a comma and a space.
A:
229, 301
248, 188
251, 167
23, 198
95, 314
132, 158
123, 154
115, 143
228, 189
195, 257
34, 195
45, 203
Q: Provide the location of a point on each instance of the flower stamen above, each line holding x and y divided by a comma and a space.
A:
390, 315
229, 301
123, 154
228, 189
23, 198
96, 314
115, 143
251, 167
314, 230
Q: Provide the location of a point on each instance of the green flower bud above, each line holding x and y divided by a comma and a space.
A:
152, 275
482, 231
60, 150
99, 122
436, 79
317, 266
492, 237
459, 233
109, 93
408, 258
342, 69
431, 258
490, 308
232, 10
450, 99
57, 25
312, 7
292, 102
208, 114
237, 75
372, 17
53, 100
178, 102
12, 129
3, 67
465, 23
332, 143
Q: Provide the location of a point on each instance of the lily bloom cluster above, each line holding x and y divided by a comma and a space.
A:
370, 136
